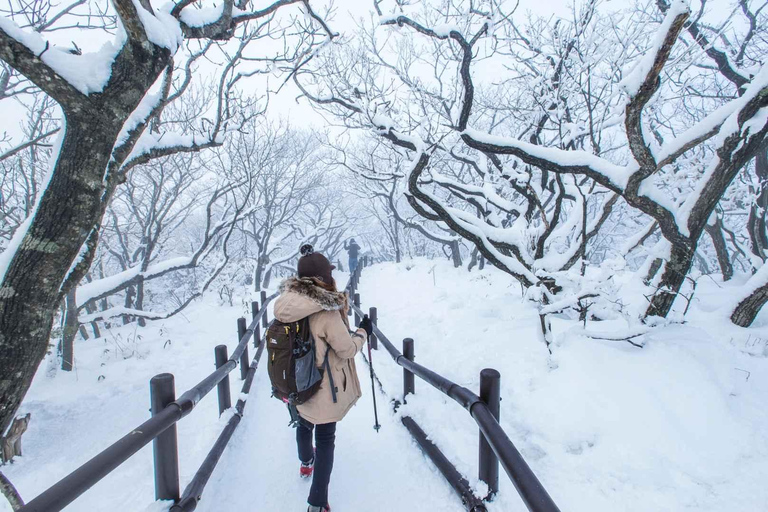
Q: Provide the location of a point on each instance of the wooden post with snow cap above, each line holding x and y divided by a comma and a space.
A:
165, 449
264, 319
245, 362
225, 397
490, 394
256, 329
357, 303
374, 316
409, 385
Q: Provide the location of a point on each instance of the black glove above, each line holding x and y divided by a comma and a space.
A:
366, 324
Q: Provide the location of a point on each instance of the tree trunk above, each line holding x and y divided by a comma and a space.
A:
94, 325
258, 274
140, 301
10, 492
130, 293
746, 311
69, 209
69, 332
672, 278
652, 271
456, 254
267, 278
756, 221
473, 259
718, 240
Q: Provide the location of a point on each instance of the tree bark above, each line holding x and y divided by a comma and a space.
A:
756, 221
456, 254
673, 275
140, 301
267, 278
715, 232
69, 332
70, 209
10, 492
746, 311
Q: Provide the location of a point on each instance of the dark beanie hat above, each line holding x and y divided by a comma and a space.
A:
314, 264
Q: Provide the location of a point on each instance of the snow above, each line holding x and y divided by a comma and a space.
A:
200, 17
634, 79
679, 424
618, 175
88, 73
161, 28
88, 291
731, 126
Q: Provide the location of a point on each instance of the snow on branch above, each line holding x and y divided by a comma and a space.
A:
643, 82
608, 174
65, 76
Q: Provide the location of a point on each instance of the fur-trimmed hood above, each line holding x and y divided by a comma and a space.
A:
300, 298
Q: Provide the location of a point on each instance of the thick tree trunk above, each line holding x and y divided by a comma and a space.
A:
715, 232
69, 209
69, 332
746, 311
673, 275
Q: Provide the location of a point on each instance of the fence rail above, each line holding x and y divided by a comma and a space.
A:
495, 445
163, 419
167, 410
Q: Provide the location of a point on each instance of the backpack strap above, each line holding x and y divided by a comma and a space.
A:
327, 367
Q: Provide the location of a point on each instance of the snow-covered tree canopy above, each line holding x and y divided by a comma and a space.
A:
542, 140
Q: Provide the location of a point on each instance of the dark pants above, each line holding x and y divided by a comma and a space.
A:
352, 263
325, 437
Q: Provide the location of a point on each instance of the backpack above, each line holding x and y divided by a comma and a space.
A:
291, 362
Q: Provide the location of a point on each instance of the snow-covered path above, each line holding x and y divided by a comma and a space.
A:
679, 425
386, 471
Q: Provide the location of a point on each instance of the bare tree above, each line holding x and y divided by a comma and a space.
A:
619, 157
110, 108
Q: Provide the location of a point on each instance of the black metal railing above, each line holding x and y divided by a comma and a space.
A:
495, 445
161, 429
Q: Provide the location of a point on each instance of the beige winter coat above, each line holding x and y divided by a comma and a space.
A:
300, 298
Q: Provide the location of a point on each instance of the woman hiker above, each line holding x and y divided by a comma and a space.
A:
313, 294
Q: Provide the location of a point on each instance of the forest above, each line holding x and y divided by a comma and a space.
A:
601, 165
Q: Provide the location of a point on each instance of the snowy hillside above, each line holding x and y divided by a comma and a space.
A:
680, 424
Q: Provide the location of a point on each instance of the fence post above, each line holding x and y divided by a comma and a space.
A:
225, 398
165, 446
409, 386
373, 314
245, 362
256, 328
264, 320
357, 303
490, 391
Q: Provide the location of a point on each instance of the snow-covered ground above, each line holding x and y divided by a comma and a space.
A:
680, 424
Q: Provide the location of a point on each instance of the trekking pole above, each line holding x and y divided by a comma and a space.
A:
376, 427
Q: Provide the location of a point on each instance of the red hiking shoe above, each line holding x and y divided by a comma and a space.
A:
306, 469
